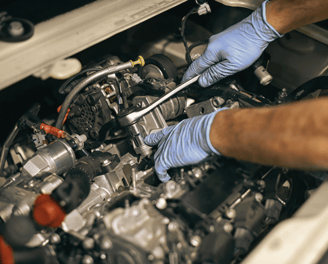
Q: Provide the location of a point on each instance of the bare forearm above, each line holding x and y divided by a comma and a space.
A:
294, 135
286, 15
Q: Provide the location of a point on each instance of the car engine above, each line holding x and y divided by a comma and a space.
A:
81, 187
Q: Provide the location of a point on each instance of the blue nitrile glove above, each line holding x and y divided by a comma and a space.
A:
183, 144
234, 49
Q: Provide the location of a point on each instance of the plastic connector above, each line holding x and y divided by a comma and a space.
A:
6, 253
65, 118
53, 130
47, 211
204, 9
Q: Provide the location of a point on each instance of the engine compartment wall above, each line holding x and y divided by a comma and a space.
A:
72, 32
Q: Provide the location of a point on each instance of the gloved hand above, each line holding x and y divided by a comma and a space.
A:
183, 144
234, 49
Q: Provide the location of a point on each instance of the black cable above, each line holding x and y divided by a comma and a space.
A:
182, 33
307, 88
63, 86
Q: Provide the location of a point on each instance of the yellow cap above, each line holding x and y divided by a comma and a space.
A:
140, 61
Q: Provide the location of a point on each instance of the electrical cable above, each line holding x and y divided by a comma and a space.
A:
182, 33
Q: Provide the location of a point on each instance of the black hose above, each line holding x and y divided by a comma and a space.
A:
69, 98
308, 87
63, 86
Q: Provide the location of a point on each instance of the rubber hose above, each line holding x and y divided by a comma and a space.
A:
63, 86
69, 98
307, 88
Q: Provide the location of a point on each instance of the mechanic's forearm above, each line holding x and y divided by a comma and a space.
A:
286, 15
294, 135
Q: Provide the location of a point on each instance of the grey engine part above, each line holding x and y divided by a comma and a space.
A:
213, 212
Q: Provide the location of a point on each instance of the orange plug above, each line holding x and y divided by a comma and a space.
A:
53, 130
47, 212
6, 253
68, 110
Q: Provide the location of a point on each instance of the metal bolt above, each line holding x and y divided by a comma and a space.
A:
258, 197
219, 219
55, 239
106, 243
117, 133
161, 203
261, 184
195, 241
197, 172
231, 213
158, 252
16, 29
106, 163
165, 221
217, 101
173, 226
212, 228
228, 227
87, 260
151, 257
103, 256
171, 186
88, 243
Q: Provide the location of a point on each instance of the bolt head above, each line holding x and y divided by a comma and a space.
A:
55, 239
87, 260
258, 197
161, 203
88, 243
195, 241
106, 163
228, 227
16, 28
231, 213
106, 243
158, 252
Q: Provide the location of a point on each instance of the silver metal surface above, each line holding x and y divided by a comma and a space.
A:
57, 158
202, 108
135, 116
14, 200
49, 184
137, 140
140, 224
262, 74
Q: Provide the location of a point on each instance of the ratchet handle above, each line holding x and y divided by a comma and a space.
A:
131, 117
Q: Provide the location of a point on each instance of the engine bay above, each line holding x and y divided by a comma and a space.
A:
78, 183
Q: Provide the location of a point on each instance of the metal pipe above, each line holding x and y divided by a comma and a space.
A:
6, 145
130, 118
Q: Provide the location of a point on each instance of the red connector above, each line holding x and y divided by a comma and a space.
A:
68, 110
6, 253
47, 211
53, 130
